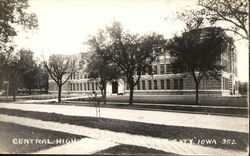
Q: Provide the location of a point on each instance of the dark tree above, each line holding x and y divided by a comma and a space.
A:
60, 69
232, 14
42, 78
12, 71
100, 69
28, 69
235, 12
198, 53
13, 14
131, 53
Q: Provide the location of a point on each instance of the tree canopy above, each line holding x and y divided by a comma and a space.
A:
235, 12
212, 12
198, 52
14, 13
131, 53
60, 69
101, 70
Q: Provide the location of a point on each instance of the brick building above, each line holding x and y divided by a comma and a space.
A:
164, 81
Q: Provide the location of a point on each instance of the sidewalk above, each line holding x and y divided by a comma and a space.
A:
120, 138
238, 124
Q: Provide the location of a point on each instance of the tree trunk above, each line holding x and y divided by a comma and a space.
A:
59, 93
14, 93
197, 92
131, 95
104, 95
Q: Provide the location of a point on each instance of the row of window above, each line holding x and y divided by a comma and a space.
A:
164, 69
83, 86
78, 76
159, 84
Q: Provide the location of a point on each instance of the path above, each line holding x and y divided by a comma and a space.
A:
122, 138
238, 124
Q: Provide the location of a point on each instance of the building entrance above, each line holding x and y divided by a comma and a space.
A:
114, 87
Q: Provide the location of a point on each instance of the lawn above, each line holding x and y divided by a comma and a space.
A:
12, 138
185, 100
232, 106
153, 130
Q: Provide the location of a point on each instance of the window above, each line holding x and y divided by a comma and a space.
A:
143, 84
74, 87
80, 86
70, 86
162, 84
93, 86
77, 86
149, 85
175, 83
226, 84
155, 84
180, 83
168, 83
162, 69
168, 69
138, 86
127, 86
88, 85
85, 88
155, 69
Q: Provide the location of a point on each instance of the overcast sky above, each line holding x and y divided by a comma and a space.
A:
64, 25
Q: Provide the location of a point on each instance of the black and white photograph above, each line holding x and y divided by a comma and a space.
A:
124, 77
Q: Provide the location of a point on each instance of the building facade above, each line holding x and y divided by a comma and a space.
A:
162, 82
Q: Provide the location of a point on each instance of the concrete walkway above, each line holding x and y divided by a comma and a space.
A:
121, 138
238, 124
84, 146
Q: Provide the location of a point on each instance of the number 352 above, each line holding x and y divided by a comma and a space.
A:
228, 141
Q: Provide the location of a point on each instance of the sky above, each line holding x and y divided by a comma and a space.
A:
65, 25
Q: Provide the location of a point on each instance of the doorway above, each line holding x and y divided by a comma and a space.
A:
114, 87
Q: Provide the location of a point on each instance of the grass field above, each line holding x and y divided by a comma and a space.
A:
153, 130
179, 99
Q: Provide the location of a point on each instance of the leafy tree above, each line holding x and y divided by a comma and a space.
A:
14, 13
28, 67
131, 53
211, 12
12, 71
198, 53
243, 88
100, 69
42, 78
235, 12
60, 69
